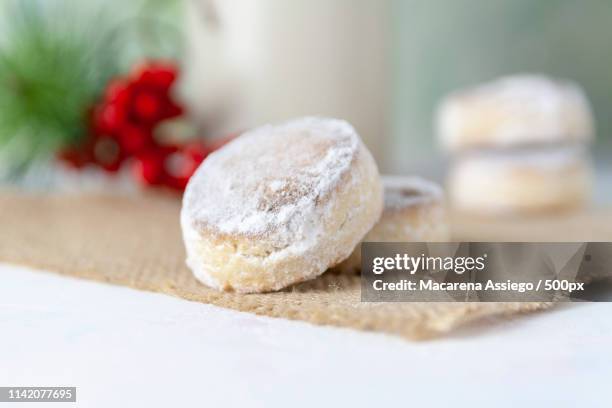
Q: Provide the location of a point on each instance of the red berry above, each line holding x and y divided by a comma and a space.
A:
172, 110
117, 91
122, 125
157, 74
180, 165
149, 166
147, 105
108, 118
133, 139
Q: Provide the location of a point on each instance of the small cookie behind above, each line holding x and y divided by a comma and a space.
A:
413, 212
538, 180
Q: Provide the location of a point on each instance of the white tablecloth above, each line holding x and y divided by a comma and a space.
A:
126, 348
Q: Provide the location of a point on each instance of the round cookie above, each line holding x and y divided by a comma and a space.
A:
521, 181
513, 111
413, 212
280, 205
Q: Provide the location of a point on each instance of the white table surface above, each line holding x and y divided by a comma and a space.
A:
127, 348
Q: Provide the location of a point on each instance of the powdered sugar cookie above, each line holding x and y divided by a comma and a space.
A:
515, 110
555, 178
279, 205
413, 212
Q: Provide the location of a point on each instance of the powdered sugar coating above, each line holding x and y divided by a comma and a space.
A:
270, 183
537, 91
516, 110
404, 192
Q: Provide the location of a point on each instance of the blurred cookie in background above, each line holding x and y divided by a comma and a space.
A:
519, 145
521, 181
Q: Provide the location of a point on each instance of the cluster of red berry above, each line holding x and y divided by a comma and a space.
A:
122, 130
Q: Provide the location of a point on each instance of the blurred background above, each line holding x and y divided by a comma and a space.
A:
383, 65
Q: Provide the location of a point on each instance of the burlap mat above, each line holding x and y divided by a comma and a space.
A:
136, 242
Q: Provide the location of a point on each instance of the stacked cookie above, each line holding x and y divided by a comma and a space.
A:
519, 144
282, 204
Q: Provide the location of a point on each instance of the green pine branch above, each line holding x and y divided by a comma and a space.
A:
56, 58
52, 69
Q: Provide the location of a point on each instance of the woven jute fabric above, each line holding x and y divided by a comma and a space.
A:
136, 241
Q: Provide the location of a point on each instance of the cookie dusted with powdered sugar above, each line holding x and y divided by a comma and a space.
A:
280, 205
515, 182
514, 111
